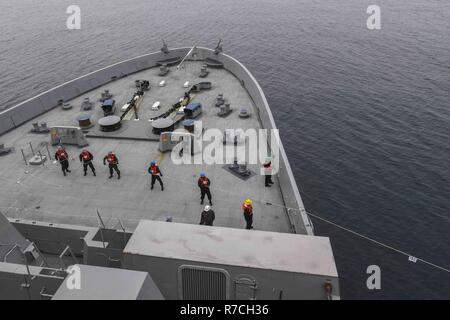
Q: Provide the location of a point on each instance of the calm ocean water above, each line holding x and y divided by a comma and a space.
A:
364, 115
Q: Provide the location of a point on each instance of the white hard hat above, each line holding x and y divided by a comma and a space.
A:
207, 208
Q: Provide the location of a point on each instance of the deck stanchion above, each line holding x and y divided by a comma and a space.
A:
48, 151
24, 159
31, 147
40, 156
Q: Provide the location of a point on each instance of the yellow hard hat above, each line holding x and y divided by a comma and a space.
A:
248, 201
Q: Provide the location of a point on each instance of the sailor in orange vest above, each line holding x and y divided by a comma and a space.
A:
203, 184
86, 158
156, 175
63, 157
247, 206
112, 163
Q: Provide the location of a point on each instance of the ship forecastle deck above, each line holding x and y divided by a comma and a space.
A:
42, 193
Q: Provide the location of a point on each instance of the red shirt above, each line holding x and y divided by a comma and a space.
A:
86, 156
154, 170
203, 182
248, 208
112, 159
61, 155
268, 168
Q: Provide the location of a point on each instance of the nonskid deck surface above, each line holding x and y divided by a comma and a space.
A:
42, 193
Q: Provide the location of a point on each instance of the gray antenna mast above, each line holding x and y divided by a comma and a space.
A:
218, 48
164, 48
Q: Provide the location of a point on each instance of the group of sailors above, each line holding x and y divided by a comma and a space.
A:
204, 183
208, 215
86, 158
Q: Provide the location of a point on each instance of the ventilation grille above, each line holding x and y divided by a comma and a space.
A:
203, 283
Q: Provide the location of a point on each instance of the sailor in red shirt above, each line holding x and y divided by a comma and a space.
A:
268, 172
62, 156
86, 157
156, 175
203, 184
247, 206
112, 163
